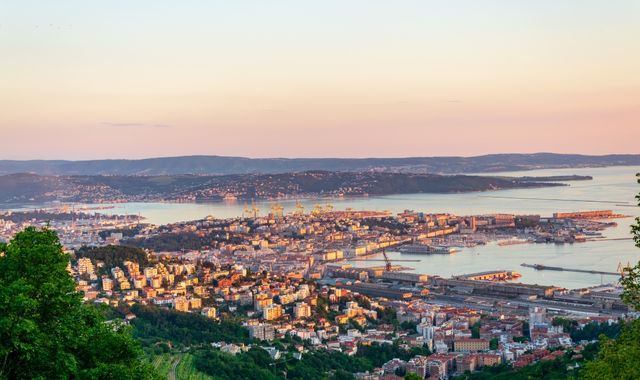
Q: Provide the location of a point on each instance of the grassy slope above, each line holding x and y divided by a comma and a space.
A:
185, 368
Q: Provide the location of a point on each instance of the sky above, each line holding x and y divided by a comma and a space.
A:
344, 78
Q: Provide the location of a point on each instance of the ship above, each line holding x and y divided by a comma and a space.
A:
513, 241
422, 249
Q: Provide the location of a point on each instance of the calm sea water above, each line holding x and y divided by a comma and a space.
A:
611, 188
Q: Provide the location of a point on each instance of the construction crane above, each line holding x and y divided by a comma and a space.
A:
254, 210
387, 265
623, 269
328, 207
317, 209
276, 210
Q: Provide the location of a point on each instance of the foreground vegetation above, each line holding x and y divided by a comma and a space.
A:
46, 331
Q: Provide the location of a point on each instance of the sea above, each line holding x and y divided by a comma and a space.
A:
612, 188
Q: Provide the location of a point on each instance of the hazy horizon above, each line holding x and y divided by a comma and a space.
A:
305, 158
301, 79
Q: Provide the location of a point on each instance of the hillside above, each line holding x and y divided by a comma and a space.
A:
244, 187
218, 165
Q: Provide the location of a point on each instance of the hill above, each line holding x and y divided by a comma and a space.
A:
27, 188
219, 165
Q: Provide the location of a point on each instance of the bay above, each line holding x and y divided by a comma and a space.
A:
612, 188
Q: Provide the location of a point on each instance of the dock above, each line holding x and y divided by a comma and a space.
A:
393, 260
546, 267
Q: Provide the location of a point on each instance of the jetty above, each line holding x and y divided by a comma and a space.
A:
546, 267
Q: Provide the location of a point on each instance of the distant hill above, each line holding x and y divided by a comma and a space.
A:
32, 188
219, 165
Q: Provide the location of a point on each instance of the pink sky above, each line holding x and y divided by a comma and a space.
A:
290, 79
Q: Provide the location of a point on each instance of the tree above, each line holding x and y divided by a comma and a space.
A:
45, 329
618, 359
631, 280
412, 376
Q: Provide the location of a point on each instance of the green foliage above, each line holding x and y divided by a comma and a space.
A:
229, 367
342, 375
412, 376
635, 229
594, 330
257, 364
113, 255
155, 324
631, 283
378, 354
544, 370
388, 316
45, 329
591, 331
409, 326
475, 330
316, 365
128, 232
182, 240
631, 280
617, 359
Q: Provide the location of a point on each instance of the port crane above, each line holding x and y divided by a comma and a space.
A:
299, 209
276, 210
252, 211
387, 265
255, 211
328, 207
622, 269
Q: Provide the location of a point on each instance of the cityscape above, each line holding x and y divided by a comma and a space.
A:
289, 279
306, 190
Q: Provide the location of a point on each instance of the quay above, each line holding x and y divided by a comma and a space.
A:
545, 267
382, 260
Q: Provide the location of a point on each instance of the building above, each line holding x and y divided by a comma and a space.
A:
209, 312
262, 331
107, 284
195, 303
272, 312
537, 318
155, 281
181, 304
470, 345
302, 310
85, 266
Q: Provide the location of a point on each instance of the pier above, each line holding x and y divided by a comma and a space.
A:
545, 267
381, 260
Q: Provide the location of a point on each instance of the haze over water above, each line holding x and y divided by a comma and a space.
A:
611, 188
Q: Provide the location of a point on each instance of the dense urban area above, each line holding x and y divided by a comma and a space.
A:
277, 296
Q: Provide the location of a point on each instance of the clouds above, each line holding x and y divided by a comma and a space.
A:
133, 125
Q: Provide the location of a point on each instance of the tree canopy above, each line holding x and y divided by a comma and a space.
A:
618, 359
46, 331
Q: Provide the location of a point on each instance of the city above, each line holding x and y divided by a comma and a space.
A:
288, 275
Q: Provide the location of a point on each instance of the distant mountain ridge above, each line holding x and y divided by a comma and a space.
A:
223, 165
